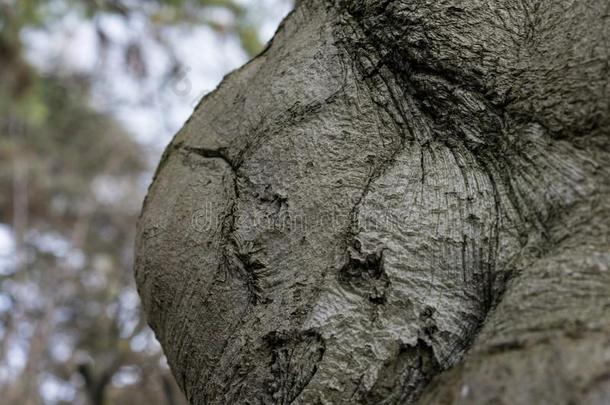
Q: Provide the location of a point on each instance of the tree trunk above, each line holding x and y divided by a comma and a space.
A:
396, 202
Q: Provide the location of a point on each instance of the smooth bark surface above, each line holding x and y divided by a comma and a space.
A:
397, 201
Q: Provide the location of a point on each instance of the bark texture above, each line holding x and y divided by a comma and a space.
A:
396, 202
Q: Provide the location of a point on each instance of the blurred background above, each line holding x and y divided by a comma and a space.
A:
90, 93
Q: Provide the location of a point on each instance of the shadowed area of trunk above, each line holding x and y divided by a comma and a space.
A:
396, 201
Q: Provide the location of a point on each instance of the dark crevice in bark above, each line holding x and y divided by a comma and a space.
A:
220, 153
251, 269
237, 262
239, 257
403, 378
228, 221
294, 362
238, 254
365, 274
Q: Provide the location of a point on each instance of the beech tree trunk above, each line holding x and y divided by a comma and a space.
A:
396, 202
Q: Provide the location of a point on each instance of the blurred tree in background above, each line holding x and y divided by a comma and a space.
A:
72, 182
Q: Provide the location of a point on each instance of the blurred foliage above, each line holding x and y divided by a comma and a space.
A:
70, 327
17, 14
74, 177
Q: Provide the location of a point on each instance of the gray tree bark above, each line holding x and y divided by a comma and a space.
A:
396, 202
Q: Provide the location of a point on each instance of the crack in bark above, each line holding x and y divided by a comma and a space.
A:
219, 153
